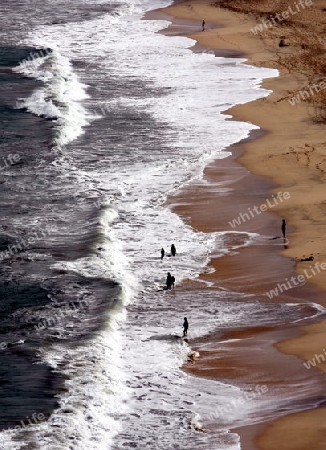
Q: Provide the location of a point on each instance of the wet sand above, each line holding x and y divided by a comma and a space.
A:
286, 155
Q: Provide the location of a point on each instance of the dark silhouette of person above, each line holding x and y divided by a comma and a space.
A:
282, 43
185, 326
162, 253
203, 25
173, 250
172, 281
168, 281
309, 258
283, 227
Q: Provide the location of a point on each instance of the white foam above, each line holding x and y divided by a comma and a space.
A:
60, 97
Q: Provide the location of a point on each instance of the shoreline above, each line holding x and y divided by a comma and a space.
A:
185, 205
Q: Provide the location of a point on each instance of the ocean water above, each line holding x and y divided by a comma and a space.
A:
102, 118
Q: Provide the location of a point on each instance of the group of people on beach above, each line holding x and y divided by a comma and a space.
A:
170, 280
173, 251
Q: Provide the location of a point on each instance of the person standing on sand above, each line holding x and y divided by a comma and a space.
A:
185, 326
162, 253
173, 250
172, 281
203, 25
283, 227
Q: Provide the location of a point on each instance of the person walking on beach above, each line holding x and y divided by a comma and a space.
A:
203, 25
162, 253
185, 326
172, 281
173, 250
283, 227
168, 281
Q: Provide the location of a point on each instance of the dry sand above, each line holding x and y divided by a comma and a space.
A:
289, 156
292, 153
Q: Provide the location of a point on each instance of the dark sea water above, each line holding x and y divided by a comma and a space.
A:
40, 305
101, 119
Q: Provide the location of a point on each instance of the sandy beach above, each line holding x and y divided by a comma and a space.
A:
285, 156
